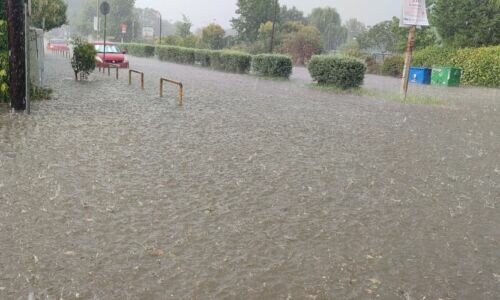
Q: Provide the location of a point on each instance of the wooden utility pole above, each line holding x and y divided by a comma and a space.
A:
408, 58
17, 50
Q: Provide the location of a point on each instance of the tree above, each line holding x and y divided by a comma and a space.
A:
252, 13
379, 38
49, 14
425, 36
328, 22
467, 23
183, 27
354, 29
212, 36
3, 13
303, 44
291, 15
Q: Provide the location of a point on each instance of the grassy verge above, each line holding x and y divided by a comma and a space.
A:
377, 94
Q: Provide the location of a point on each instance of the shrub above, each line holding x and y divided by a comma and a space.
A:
393, 66
231, 61
372, 66
141, 50
274, 65
176, 54
202, 57
481, 66
343, 72
83, 61
4, 76
433, 56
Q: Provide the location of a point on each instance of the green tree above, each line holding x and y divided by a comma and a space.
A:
251, 14
379, 38
49, 14
302, 44
425, 36
183, 27
291, 15
467, 23
354, 29
328, 22
3, 6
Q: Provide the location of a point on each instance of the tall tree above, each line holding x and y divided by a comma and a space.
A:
251, 14
354, 28
463, 23
184, 27
303, 43
425, 36
212, 36
49, 14
328, 22
291, 15
379, 38
3, 7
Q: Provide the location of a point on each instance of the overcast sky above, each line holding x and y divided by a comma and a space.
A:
203, 12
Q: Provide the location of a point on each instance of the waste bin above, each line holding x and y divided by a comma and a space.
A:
447, 76
420, 75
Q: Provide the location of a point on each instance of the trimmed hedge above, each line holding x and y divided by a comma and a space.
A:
141, 50
393, 66
202, 57
232, 61
273, 65
343, 72
176, 54
480, 66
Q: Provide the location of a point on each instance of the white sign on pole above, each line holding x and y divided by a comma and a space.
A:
96, 24
414, 13
148, 32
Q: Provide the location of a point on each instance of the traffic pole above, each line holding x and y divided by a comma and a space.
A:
408, 59
17, 50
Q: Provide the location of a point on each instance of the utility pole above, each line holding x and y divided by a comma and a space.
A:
97, 14
17, 50
271, 46
408, 58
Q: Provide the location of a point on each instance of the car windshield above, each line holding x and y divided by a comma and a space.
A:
109, 49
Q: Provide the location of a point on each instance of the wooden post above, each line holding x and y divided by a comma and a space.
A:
17, 58
408, 58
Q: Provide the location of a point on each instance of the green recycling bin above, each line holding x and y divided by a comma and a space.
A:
447, 76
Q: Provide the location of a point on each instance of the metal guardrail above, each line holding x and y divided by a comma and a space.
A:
130, 77
179, 84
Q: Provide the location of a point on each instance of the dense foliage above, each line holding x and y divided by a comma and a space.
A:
274, 65
212, 37
4, 59
480, 66
328, 22
49, 14
231, 61
141, 50
393, 66
83, 60
251, 14
342, 72
176, 54
467, 23
302, 44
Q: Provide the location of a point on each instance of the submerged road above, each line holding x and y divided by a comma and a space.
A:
255, 189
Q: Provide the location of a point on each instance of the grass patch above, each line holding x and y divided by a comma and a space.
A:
40, 93
376, 94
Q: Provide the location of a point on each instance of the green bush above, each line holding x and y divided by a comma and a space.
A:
202, 57
176, 54
83, 60
433, 56
4, 76
343, 72
480, 66
393, 66
141, 50
232, 61
274, 65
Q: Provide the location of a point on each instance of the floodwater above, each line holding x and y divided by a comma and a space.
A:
255, 189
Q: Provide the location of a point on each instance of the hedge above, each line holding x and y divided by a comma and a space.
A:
480, 66
273, 65
141, 50
176, 54
232, 61
202, 57
393, 66
343, 72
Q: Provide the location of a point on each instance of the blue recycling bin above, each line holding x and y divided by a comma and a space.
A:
420, 75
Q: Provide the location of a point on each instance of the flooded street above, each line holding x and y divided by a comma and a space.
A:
255, 189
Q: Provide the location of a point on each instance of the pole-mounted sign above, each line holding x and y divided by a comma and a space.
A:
105, 11
414, 13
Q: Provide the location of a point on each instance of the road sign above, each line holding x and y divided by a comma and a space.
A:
104, 8
123, 26
414, 13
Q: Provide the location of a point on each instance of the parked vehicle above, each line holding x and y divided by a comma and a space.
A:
57, 45
113, 56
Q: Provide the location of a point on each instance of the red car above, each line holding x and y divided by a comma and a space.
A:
114, 56
57, 45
